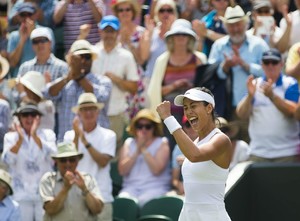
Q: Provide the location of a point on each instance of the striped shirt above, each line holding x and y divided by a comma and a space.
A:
174, 73
56, 67
68, 96
78, 14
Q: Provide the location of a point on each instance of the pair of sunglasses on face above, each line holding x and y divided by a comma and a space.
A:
146, 126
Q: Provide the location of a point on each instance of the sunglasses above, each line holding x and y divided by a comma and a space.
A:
267, 62
146, 126
25, 14
120, 10
29, 114
41, 40
70, 159
86, 56
168, 10
263, 11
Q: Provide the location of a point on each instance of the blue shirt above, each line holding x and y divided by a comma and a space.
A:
4, 120
9, 210
68, 97
250, 51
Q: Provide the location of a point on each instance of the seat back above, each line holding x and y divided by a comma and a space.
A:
117, 179
169, 206
125, 209
154, 218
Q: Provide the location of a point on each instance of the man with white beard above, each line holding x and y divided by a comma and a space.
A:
237, 53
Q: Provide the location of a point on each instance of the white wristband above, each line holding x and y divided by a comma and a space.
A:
172, 124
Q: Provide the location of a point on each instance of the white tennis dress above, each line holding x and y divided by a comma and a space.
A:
204, 186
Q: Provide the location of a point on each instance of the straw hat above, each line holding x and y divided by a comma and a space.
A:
145, 114
234, 14
181, 26
87, 100
4, 67
231, 129
6, 178
135, 6
34, 81
66, 149
82, 47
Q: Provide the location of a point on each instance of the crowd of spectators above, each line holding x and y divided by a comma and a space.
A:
74, 74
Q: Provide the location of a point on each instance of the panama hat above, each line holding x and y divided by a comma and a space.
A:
66, 149
145, 114
4, 67
82, 47
234, 14
34, 81
87, 100
6, 178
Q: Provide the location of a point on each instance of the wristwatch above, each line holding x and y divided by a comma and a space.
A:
88, 145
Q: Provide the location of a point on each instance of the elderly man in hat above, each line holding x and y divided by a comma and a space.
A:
69, 194
122, 73
27, 152
9, 209
66, 90
98, 145
270, 106
19, 45
237, 53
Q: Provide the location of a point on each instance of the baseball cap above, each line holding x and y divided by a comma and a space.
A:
272, 54
109, 20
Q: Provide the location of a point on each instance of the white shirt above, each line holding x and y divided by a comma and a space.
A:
48, 119
121, 63
30, 163
104, 141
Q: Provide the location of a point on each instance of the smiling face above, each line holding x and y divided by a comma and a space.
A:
198, 113
125, 12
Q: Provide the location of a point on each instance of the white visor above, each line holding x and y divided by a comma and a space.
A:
195, 95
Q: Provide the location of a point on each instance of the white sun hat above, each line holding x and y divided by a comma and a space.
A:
34, 81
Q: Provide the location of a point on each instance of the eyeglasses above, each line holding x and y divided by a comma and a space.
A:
86, 56
263, 11
273, 62
221, 0
25, 14
168, 10
70, 159
41, 40
29, 114
146, 126
120, 10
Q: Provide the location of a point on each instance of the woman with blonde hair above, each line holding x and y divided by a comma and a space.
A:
174, 70
153, 40
130, 35
144, 159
